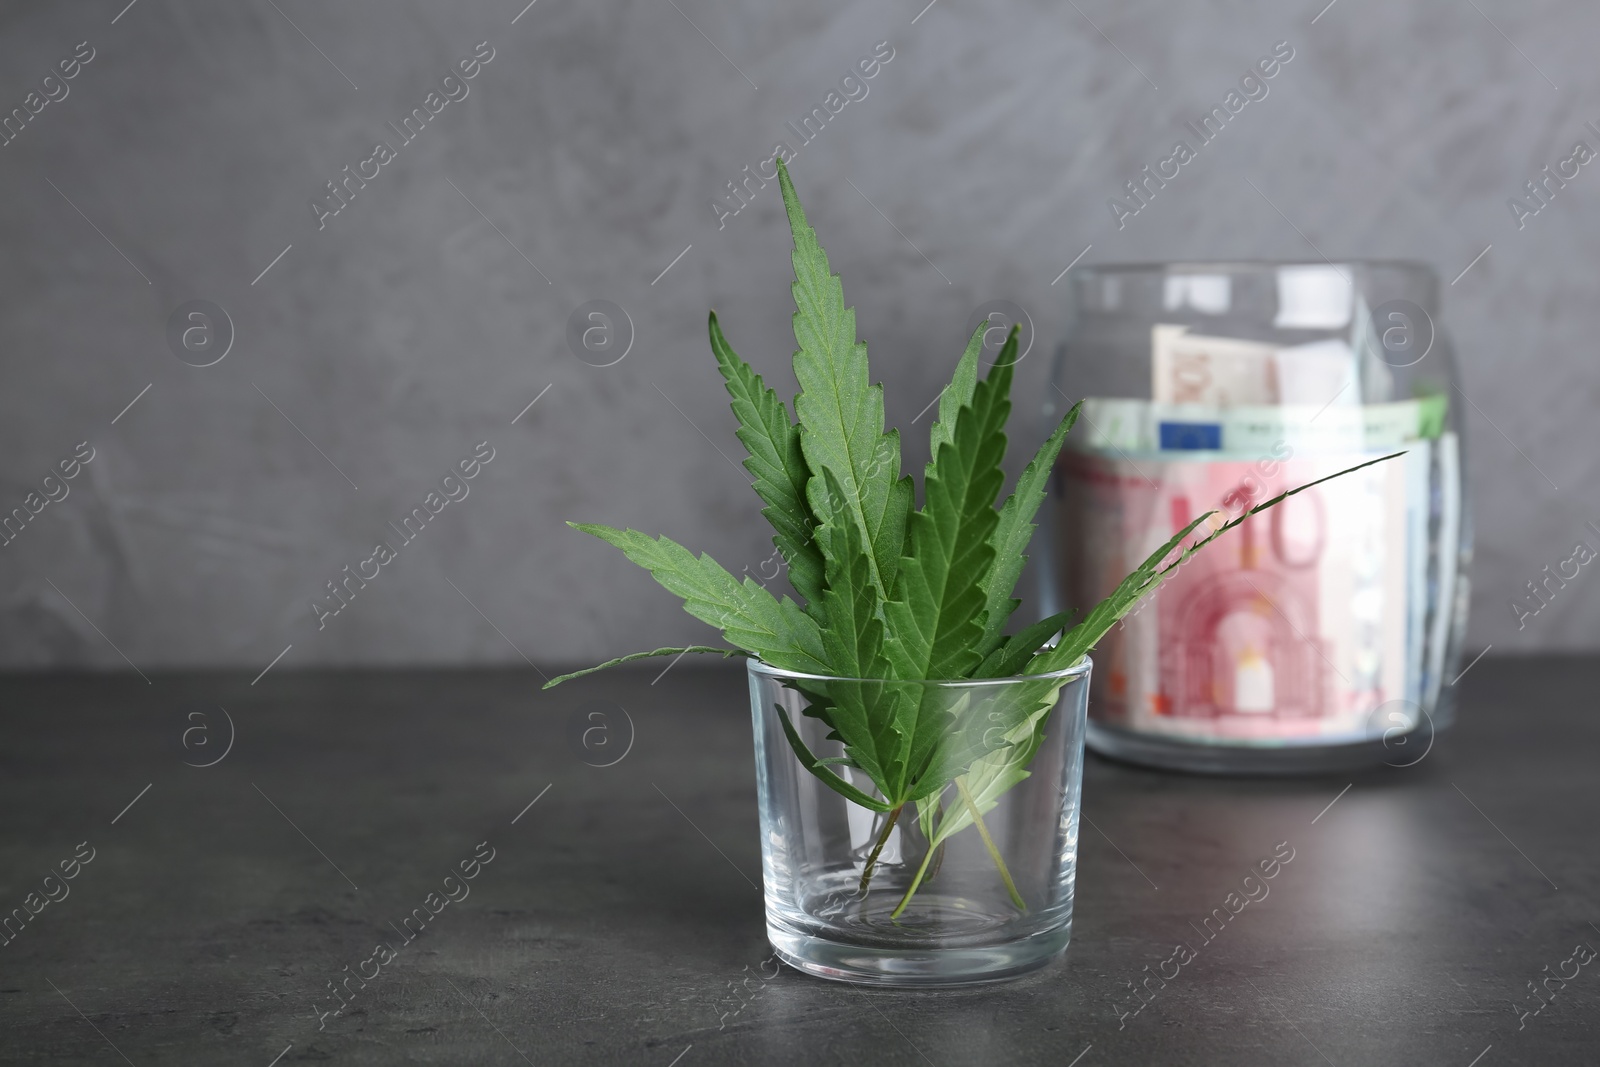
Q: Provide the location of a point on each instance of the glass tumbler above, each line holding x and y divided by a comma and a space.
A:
970, 883
1321, 633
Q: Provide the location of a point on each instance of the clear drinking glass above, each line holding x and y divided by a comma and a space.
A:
1321, 633
947, 900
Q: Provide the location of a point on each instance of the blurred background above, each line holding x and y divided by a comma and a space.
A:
355, 358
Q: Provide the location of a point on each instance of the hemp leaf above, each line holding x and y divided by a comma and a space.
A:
895, 597
937, 608
748, 616
777, 464
841, 415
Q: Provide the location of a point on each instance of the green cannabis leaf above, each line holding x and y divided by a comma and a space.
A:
937, 609
749, 617
633, 656
841, 415
895, 597
777, 464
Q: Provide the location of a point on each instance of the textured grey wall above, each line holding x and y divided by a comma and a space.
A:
425, 315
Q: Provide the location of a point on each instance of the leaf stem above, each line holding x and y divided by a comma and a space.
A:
915, 882
937, 847
883, 839
994, 852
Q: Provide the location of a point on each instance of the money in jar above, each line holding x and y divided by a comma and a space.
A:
1318, 633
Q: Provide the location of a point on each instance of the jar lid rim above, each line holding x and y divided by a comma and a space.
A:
1200, 266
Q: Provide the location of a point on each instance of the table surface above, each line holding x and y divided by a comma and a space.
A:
619, 920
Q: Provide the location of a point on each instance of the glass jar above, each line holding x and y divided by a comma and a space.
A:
973, 883
1321, 633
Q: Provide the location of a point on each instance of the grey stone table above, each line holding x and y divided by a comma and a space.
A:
617, 919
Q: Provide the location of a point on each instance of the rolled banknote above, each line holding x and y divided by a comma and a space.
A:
1297, 625
1191, 368
1135, 426
1188, 368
